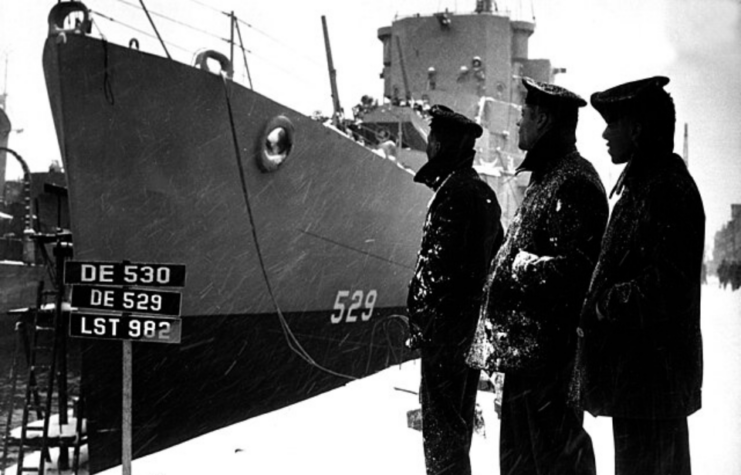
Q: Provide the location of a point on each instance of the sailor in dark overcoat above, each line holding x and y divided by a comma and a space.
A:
540, 277
640, 351
461, 233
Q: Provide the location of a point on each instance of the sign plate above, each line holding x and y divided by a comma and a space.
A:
129, 327
124, 273
156, 302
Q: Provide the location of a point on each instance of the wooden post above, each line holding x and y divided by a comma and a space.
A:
126, 409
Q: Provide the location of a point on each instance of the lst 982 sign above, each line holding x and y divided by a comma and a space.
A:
125, 327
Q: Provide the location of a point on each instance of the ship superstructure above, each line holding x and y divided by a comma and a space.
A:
473, 63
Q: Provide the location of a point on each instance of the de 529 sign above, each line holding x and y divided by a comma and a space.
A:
99, 297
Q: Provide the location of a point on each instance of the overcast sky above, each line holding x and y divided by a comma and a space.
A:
600, 43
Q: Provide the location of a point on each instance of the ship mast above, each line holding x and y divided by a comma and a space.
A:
332, 76
154, 27
4, 95
407, 93
686, 150
232, 21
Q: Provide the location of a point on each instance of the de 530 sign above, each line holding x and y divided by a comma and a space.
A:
124, 273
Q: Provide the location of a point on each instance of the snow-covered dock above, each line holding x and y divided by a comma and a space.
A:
362, 428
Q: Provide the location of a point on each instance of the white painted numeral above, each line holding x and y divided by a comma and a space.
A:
164, 333
135, 274
357, 301
338, 305
370, 303
365, 302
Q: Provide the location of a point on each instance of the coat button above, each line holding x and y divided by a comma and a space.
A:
580, 332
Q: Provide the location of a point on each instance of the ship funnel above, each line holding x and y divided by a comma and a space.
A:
384, 34
483, 6
521, 31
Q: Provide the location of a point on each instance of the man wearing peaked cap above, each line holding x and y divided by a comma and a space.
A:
445, 121
621, 100
461, 233
539, 279
541, 93
640, 348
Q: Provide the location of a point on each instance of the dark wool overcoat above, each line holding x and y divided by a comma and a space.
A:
531, 313
642, 358
461, 233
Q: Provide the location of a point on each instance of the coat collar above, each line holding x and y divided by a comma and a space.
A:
434, 172
546, 154
642, 166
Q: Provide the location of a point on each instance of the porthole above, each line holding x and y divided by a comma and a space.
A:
277, 144
501, 89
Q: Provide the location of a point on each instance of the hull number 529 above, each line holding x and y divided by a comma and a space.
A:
353, 306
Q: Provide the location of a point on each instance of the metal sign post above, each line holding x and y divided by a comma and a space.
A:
126, 409
122, 301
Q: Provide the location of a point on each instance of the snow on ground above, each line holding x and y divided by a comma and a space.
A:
361, 428
715, 430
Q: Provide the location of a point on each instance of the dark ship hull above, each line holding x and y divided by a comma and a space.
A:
296, 278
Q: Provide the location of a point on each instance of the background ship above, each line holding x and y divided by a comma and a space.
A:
33, 210
299, 241
472, 63
36, 204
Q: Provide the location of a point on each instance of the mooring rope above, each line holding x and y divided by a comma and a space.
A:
291, 339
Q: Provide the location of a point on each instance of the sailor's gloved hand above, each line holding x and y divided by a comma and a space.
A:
526, 268
521, 265
415, 340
